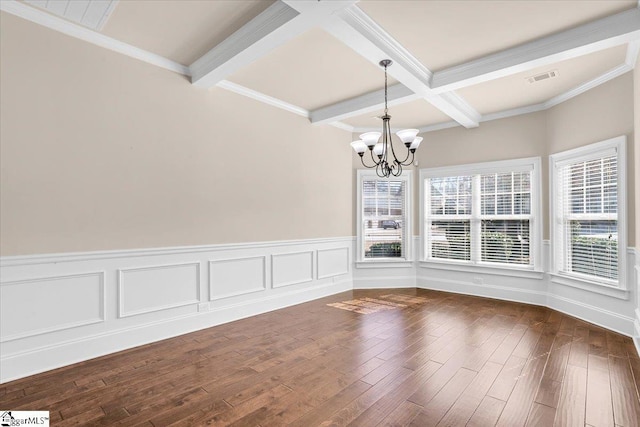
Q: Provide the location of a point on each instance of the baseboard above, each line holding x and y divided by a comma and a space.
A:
636, 337
66, 353
389, 282
484, 290
589, 313
607, 319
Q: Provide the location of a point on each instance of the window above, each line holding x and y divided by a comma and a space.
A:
384, 229
483, 214
588, 209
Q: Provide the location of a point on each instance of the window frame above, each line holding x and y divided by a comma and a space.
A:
407, 238
532, 164
614, 146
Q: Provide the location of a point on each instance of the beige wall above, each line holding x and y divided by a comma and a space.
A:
101, 151
601, 113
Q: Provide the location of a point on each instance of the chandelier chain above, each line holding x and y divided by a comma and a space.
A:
386, 110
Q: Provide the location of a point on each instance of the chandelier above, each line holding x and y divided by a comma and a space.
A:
385, 165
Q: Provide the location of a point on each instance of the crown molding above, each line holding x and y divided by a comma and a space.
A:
514, 112
594, 36
45, 19
632, 53
438, 126
397, 94
609, 75
342, 126
259, 96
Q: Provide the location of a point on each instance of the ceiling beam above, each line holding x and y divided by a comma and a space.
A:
598, 35
372, 101
279, 23
358, 31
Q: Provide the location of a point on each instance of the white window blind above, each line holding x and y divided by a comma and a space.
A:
384, 217
505, 214
589, 217
483, 216
449, 228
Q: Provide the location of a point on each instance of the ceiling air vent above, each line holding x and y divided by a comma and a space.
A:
544, 76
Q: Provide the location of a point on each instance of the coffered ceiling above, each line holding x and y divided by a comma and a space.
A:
456, 63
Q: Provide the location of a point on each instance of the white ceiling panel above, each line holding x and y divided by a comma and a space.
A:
89, 13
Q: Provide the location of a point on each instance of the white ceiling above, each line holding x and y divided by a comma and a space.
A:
458, 62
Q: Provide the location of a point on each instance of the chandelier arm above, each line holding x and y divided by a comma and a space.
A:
409, 153
364, 164
375, 162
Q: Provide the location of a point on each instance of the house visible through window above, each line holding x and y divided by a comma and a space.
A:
482, 214
383, 216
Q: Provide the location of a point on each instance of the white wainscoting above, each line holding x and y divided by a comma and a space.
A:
138, 288
65, 308
237, 276
45, 305
333, 262
61, 309
292, 268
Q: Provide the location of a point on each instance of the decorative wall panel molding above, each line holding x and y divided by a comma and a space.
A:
333, 262
237, 276
59, 309
48, 304
147, 289
291, 268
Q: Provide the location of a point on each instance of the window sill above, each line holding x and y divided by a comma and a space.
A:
591, 286
484, 269
384, 264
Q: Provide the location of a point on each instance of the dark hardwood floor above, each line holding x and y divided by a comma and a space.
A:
443, 360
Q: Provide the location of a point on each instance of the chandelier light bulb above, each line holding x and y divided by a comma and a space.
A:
415, 144
379, 150
359, 147
407, 135
370, 138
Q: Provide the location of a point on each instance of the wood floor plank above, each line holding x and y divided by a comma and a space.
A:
521, 399
466, 405
572, 401
332, 405
444, 359
626, 406
487, 413
393, 398
507, 378
579, 353
599, 407
540, 415
402, 415
444, 400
